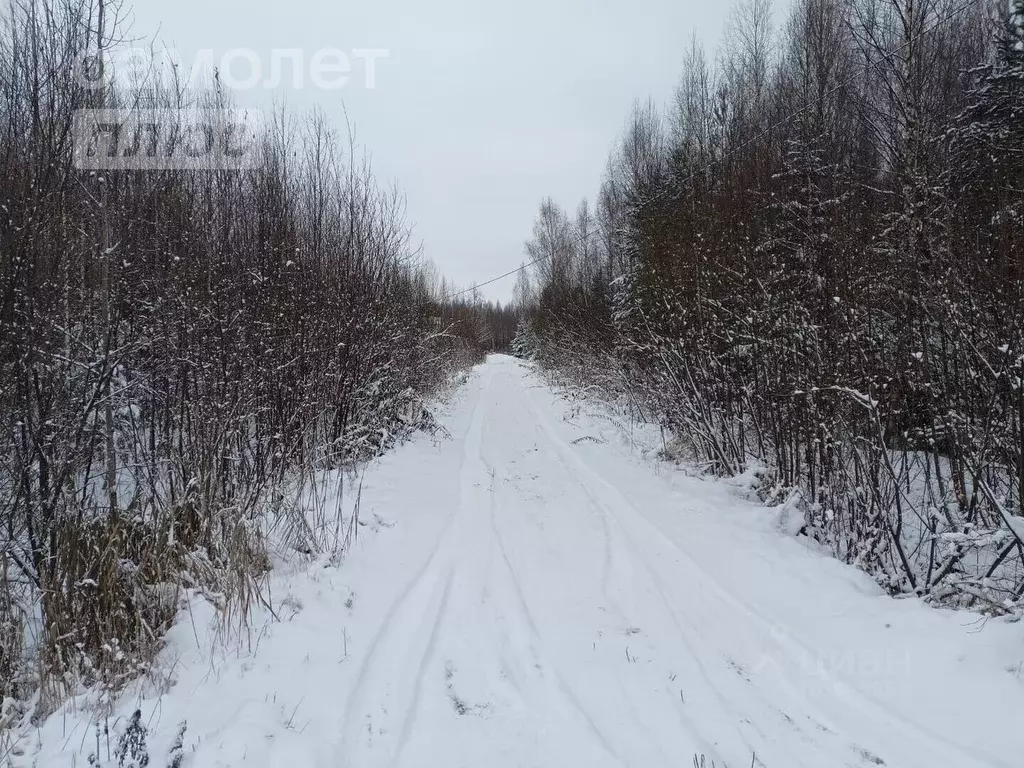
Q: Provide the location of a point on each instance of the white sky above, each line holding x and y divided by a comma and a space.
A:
480, 110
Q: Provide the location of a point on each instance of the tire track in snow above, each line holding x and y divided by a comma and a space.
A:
564, 689
793, 648
398, 640
696, 650
428, 655
633, 699
520, 606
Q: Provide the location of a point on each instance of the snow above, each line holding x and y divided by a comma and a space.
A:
1016, 524
537, 592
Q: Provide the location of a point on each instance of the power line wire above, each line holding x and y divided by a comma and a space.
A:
520, 268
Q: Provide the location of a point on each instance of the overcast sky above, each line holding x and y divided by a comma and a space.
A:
480, 109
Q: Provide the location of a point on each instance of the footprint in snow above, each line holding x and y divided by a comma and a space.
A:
461, 706
738, 668
868, 757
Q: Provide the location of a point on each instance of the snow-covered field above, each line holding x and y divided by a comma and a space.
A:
537, 592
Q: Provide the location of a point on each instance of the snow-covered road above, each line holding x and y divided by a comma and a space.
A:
535, 592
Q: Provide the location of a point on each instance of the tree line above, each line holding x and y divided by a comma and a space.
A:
811, 263
185, 355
